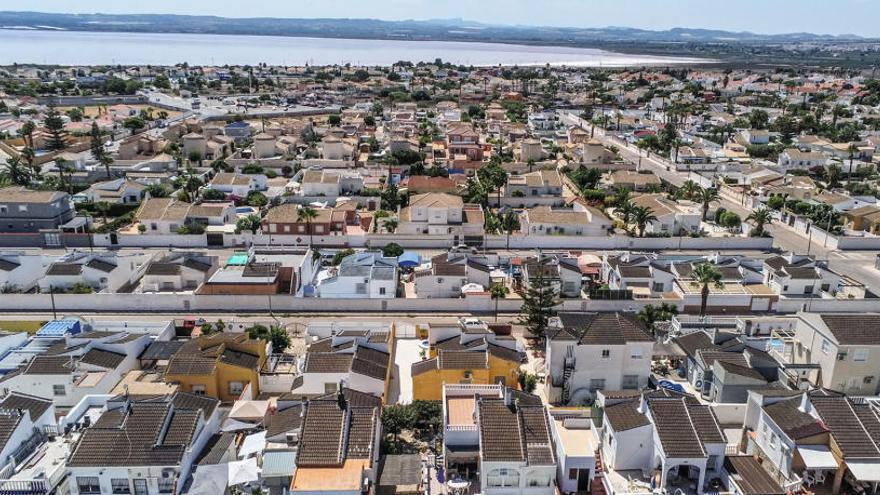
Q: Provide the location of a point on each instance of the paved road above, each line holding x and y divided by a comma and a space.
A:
858, 265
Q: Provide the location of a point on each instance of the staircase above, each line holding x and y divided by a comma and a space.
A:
597, 486
566, 385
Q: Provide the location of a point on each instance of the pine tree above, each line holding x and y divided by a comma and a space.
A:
539, 301
55, 125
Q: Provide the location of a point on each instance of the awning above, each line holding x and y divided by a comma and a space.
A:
409, 259
252, 444
215, 478
817, 457
865, 470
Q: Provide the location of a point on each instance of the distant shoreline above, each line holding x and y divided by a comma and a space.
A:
36, 45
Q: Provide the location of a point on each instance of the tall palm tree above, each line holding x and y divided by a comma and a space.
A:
706, 196
703, 275
63, 167
498, 291
106, 160
509, 223
307, 214
642, 216
853, 149
761, 217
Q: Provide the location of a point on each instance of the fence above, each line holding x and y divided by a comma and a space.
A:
190, 303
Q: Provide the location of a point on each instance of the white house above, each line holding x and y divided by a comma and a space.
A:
145, 446
366, 275
439, 214
19, 272
103, 272
587, 352
502, 433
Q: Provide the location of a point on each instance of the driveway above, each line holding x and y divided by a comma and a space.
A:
406, 352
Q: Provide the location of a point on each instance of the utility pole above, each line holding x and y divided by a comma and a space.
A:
52, 298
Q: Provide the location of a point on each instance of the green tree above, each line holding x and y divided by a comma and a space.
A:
390, 225
498, 291
213, 195
539, 301
706, 196
396, 418
509, 224
55, 125
134, 124
527, 382
18, 173
250, 222
256, 199
334, 120
706, 274
276, 335
689, 189
392, 250
96, 142
761, 217
338, 257
650, 315
642, 216
307, 214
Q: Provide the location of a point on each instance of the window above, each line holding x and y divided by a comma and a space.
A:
198, 389
59, 390
657, 287
22, 208
235, 388
166, 485
860, 355
635, 354
503, 477
773, 439
826, 346
381, 291
572, 474
630, 382
330, 387
88, 484
606, 353
841, 356
3, 209
597, 384
120, 485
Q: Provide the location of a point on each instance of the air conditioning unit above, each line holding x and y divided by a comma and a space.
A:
167, 473
468, 375
293, 437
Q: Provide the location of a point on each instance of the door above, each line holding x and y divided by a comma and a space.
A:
140, 486
583, 480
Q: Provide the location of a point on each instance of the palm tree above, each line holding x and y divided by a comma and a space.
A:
63, 167
18, 173
307, 214
106, 160
642, 216
703, 275
853, 149
509, 224
498, 291
390, 225
626, 211
761, 218
706, 196
689, 189
621, 195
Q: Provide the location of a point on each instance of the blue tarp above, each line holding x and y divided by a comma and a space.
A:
59, 328
408, 259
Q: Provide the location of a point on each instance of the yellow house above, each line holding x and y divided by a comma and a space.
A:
495, 364
219, 366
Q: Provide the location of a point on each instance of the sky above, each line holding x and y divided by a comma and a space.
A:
759, 16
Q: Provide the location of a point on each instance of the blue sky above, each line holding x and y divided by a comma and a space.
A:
761, 16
